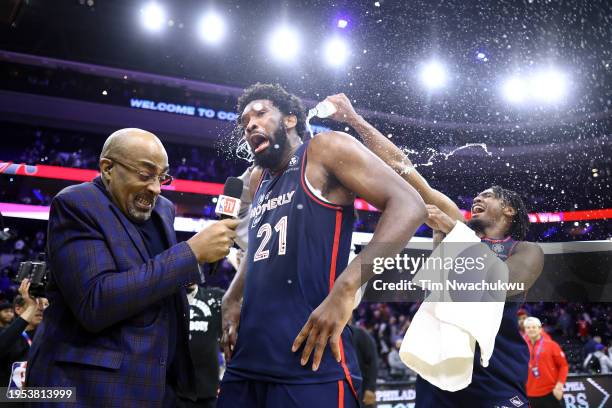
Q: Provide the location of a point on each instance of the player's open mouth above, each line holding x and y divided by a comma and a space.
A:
477, 209
259, 142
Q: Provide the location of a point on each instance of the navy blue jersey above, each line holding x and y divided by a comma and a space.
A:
503, 381
508, 366
298, 246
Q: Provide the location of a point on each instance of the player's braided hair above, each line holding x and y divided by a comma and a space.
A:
287, 103
520, 221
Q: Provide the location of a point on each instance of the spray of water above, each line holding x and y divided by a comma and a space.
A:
433, 155
311, 114
243, 150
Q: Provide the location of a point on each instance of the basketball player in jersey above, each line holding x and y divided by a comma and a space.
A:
500, 219
294, 280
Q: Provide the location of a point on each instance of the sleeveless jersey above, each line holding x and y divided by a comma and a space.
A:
503, 381
508, 366
298, 246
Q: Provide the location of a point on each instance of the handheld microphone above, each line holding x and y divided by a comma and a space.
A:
228, 205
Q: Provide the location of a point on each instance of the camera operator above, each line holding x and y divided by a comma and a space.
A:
15, 339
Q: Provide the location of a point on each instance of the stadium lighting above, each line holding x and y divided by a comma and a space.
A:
433, 75
153, 16
336, 52
548, 86
211, 28
515, 90
284, 44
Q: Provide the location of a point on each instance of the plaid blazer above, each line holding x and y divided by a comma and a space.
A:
106, 329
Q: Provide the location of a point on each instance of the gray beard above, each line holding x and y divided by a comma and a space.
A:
139, 216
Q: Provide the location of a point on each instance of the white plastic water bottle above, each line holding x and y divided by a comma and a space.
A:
323, 109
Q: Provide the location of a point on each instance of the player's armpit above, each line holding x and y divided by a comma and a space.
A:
358, 170
525, 264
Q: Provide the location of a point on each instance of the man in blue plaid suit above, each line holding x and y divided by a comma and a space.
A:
117, 324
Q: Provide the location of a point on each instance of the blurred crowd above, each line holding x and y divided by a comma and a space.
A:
78, 150
584, 332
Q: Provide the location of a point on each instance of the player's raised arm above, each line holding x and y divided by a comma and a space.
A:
357, 170
391, 155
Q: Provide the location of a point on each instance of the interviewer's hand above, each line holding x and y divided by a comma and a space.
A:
230, 318
214, 241
325, 324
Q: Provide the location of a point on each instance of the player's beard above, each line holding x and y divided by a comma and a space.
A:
271, 157
477, 225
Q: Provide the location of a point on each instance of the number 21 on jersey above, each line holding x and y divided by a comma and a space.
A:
266, 231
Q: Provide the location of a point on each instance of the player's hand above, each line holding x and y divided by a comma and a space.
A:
344, 109
438, 220
214, 241
369, 397
325, 324
558, 391
230, 318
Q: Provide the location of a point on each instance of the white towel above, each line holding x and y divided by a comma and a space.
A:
440, 342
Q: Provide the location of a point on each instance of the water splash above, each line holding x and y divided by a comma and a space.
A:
434, 154
243, 150
324, 109
311, 114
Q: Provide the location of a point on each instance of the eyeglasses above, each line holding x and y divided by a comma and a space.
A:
146, 177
